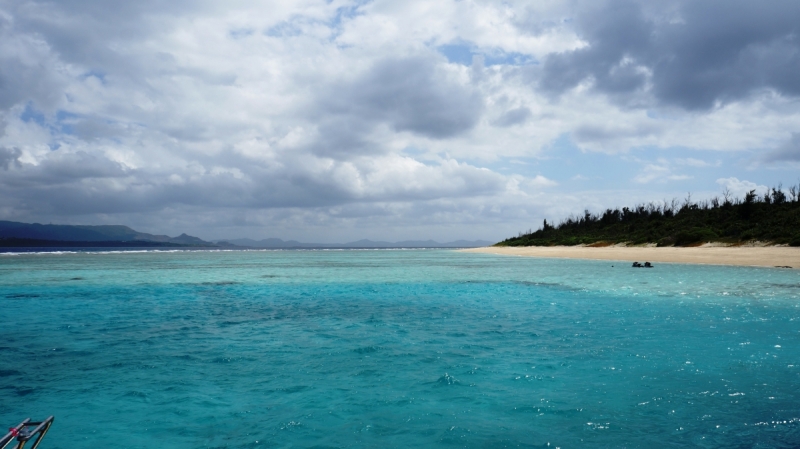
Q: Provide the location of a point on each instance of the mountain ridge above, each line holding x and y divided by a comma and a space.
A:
15, 234
276, 243
89, 233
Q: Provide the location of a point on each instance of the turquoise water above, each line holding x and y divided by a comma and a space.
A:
422, 348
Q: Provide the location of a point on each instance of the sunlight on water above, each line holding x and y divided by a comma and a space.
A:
396, 349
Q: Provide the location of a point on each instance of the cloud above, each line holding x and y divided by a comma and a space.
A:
414, 94
9, 157
696, 163
29, 72
739, 188
541, 181
693, 55
652, 172
79, 166
788, 152
614, 31
605, 135
77, 182
337, 117
660, 171
513, 117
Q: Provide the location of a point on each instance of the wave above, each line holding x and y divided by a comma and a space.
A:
259, 250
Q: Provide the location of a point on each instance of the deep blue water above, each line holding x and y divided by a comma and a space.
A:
423, 348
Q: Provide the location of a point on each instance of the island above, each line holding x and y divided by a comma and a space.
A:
772, 218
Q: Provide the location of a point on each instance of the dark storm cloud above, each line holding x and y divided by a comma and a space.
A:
410, 94
694, 53
9, 157
80, 165
59, 169
83, 183
612, 32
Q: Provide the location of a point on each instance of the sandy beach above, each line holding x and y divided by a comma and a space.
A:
761, 256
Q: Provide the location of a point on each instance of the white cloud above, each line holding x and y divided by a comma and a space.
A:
652, 172
541, 181
289, 114
739, 188
660, 171
696, 163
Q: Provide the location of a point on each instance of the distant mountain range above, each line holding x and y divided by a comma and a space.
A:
288, 244
11, 231
15, 234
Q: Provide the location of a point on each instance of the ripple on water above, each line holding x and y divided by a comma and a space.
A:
417, 348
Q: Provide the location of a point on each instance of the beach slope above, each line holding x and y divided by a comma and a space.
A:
760, 256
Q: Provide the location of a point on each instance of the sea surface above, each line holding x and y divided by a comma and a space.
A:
384, 349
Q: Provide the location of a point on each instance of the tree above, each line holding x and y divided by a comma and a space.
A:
778, 197
727, 195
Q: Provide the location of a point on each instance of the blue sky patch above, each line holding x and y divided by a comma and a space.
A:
30, 114
346, 12
284, 29
666, 172
100, 75
457, 53
464, 52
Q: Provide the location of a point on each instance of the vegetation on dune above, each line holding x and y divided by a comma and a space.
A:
772, 217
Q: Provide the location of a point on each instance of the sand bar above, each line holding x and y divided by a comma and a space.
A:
764, 256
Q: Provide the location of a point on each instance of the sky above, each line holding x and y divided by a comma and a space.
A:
332, 121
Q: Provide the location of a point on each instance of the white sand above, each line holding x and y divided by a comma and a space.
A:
761, 256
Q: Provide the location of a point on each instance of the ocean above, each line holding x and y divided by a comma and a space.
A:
396, 348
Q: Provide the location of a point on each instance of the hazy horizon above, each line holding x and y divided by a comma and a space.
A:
335, 121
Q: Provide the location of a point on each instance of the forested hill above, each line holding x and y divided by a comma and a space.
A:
14, 233
773, 217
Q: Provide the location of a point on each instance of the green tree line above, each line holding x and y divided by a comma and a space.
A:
772, 217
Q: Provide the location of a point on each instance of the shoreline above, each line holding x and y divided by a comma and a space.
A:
745, 256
